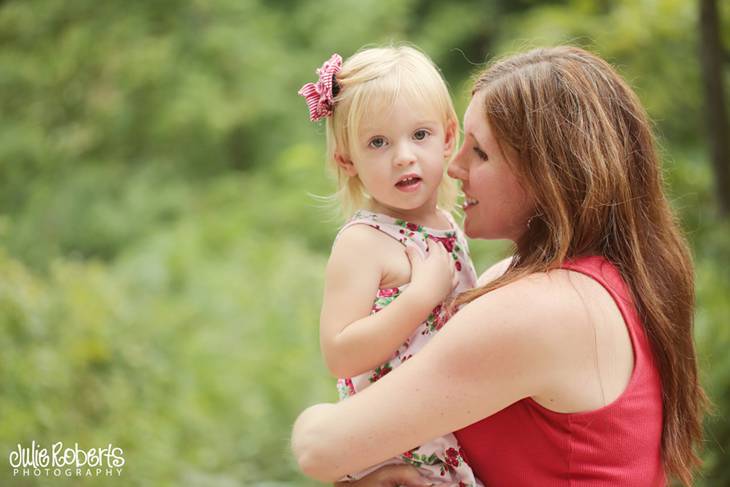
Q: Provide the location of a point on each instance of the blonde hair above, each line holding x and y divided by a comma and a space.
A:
376, 77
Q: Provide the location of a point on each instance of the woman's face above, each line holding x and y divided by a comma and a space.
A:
496, 205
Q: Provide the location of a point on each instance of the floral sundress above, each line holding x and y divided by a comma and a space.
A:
441, 460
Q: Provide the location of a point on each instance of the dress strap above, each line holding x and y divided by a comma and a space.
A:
376, 221
404, 232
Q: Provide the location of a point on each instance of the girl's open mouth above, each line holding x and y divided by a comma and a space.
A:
409, 183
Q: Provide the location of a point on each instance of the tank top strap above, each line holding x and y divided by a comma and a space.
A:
607, 274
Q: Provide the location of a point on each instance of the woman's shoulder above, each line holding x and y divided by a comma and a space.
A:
561, 290
553, 291
550, 308
565, 328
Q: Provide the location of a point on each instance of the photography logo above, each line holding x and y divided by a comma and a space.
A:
61, 461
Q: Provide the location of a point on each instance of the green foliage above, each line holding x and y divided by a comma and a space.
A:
178, 351
161, 253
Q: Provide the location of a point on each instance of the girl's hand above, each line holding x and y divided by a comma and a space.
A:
432, 277
389, 476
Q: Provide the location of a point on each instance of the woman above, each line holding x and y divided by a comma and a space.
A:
576, 365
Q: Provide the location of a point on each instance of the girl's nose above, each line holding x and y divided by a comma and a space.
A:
404, 156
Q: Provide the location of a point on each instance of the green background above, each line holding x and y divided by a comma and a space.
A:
161, 250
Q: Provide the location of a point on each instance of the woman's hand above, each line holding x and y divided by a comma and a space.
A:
434, 276
390, 476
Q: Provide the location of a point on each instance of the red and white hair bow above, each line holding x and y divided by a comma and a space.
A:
319, 96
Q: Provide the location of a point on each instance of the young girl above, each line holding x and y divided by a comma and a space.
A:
391, 130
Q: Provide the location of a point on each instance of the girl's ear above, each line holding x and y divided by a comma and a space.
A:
450, 138
346, 164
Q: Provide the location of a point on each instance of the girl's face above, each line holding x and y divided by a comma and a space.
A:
496, 205
399, 155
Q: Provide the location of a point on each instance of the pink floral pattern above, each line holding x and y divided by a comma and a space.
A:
447, 461
440, 460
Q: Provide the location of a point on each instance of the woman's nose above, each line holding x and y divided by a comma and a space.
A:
456, 170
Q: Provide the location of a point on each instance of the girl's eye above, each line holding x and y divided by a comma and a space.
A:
482, 155
377, 142
421, 134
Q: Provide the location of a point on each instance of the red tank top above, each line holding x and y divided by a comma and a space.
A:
526, 444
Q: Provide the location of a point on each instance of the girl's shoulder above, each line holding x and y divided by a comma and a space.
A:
366, 228
359, 245
359, 238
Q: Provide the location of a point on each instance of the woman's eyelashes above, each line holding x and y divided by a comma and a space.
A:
482, 155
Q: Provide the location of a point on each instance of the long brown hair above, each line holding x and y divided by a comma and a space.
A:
586, 153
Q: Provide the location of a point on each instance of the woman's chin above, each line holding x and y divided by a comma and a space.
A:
476, 230
473, 231
473, 226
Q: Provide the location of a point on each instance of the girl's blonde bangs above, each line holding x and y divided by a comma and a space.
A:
370, 81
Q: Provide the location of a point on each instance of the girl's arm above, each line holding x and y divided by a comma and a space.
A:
504, 346
390, 476
353, 340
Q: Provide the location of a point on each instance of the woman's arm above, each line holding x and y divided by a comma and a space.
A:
495, 351
352, 339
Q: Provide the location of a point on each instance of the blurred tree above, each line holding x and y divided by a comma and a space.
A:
712, 54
